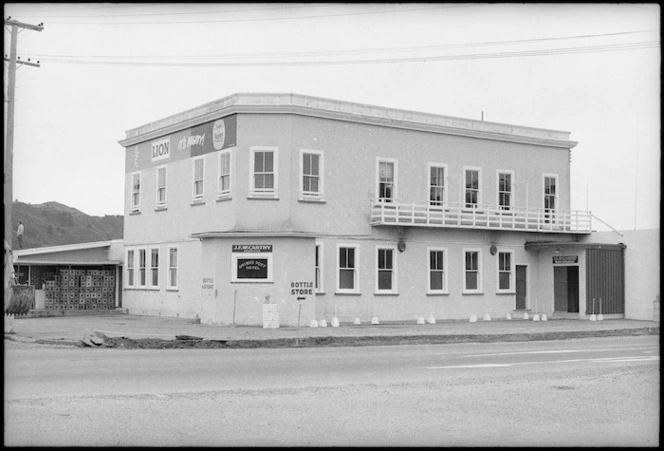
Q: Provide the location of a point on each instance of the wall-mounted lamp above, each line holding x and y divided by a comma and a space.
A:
493, 249
401, 246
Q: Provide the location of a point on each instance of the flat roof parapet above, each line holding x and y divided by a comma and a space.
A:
275, 103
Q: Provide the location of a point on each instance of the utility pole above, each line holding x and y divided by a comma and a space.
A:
14, 60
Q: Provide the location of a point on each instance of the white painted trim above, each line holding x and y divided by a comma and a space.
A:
231, 172
149, 267
275, 154
512, 287
156, 183
321, 175
169, 286
135, 207
395, 266
512, 195
479, 270
446, 287
446, 186
395, 191
356, 272
462, 201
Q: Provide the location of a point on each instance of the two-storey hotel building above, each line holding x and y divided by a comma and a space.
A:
336, 209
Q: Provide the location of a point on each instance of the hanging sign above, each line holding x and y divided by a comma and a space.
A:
565, 259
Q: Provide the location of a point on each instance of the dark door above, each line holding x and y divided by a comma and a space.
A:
560, 292
521, 287
573, 289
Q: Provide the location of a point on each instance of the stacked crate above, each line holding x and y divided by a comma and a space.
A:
81, 289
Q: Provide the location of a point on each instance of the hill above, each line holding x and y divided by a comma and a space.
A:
55, 224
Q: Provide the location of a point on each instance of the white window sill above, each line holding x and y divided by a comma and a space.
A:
506, 292
134, 212
223, 197
471, 293
172, 289
438, 293
348, 293
311, 199
319, 292
386, 293
160, 208
196, 202
263, 197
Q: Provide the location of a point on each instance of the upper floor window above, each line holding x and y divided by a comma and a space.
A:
199, 174
387, 180
436, 184
472, 281
312, 174
264, 172
224, 186
161, 186
135, 191
504, 190
550, 204
471, 178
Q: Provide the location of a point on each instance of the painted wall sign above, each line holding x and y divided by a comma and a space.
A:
565, 259
252, 248
195, 141
208, 283
161, 149
252, 268
302, 288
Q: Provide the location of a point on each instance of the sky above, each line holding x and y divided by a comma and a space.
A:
592, 70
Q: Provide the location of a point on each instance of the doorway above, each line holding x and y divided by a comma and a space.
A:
521, 287
566, 289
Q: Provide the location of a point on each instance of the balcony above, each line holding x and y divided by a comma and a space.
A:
485, 217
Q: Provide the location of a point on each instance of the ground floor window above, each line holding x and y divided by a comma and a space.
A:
142, 268
130, 268
172, 267
504, 271
154, 268
472, 275
319, 268
347, 269
437, 275
386, 270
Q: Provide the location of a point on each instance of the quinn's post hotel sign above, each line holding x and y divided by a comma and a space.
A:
205, 138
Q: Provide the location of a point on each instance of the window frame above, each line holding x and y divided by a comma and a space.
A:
445, 186
319, 284
393, 271
225, 193
197, 197
467, 290
395, 179
445, 289
477, 205
509, 208
160, 203
264, 193
130, 267
550, 211
169, 277
142, 270
152, 270
306, 195
356, 269
135, 206
511, 272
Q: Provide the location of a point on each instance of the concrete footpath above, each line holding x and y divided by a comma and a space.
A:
136, 331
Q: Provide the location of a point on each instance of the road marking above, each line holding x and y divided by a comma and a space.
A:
601, 360
560, 351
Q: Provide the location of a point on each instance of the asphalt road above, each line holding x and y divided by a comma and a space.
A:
585, 392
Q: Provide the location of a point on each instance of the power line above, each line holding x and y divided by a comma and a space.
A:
473, 56
321, 16
354, 51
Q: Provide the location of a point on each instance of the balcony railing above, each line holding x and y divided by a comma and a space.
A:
491, 217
